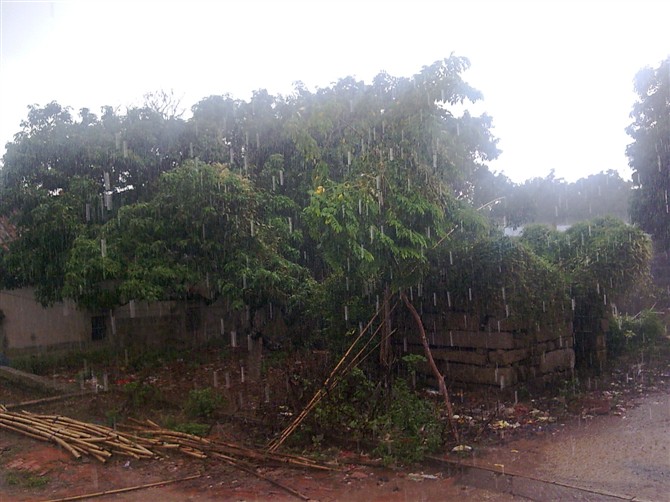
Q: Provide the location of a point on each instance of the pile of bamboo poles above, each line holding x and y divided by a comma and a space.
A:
154, 437
144, 440
78, 438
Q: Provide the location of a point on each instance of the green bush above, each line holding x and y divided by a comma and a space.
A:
348, 408
202, 403
409, 429
403, 426
140, 394
630, 333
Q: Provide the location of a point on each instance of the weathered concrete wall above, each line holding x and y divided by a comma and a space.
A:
27, 324
146, 324
177, 322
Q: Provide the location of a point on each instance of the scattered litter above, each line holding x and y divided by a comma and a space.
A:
504, 424
414, 476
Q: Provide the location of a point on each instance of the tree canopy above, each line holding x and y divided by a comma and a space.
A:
318, 202
342, 191
604, 261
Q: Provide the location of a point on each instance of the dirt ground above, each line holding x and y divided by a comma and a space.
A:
612, 437
217, 482
34, 471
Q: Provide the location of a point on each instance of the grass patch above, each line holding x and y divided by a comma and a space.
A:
193, 428
25, 480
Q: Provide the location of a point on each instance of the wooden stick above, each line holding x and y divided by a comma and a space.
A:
46, 435
43, 400
123, 490
433, 366
100, 442
21, 431
76, 437
329, 384
238, 465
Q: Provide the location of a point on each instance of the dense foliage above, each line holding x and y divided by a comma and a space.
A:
317, 200
404, 426
319, 203
604, 261
497, 277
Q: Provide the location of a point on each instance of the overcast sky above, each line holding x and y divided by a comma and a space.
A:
556, 75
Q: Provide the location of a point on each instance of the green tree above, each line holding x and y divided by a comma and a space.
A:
649, 153
354, 182
604, 257
393, 174
204, 233
62, 176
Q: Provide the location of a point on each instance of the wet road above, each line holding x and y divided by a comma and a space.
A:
626, 457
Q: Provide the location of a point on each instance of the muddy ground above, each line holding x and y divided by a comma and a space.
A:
604, 434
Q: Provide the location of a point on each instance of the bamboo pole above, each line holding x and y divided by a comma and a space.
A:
164, 438
21, 431
328, 385
124, 490
44, 400
238, 465
78, 438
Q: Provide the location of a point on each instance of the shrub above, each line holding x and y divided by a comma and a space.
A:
410, 429
626, 332
140, 394
403, 426
202, 403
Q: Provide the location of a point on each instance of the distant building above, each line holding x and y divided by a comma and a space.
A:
518, 231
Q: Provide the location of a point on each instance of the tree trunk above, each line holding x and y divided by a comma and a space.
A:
431, 362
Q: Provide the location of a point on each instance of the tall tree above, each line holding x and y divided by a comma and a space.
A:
62, 175
393, 172
355, 181
649, 154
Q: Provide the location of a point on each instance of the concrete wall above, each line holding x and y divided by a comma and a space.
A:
146, 324
27, 324
181, 323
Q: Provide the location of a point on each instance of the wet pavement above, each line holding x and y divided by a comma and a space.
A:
601, 458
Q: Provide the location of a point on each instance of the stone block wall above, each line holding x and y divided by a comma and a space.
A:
497, 352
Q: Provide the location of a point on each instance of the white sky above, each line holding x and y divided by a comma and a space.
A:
556, 75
